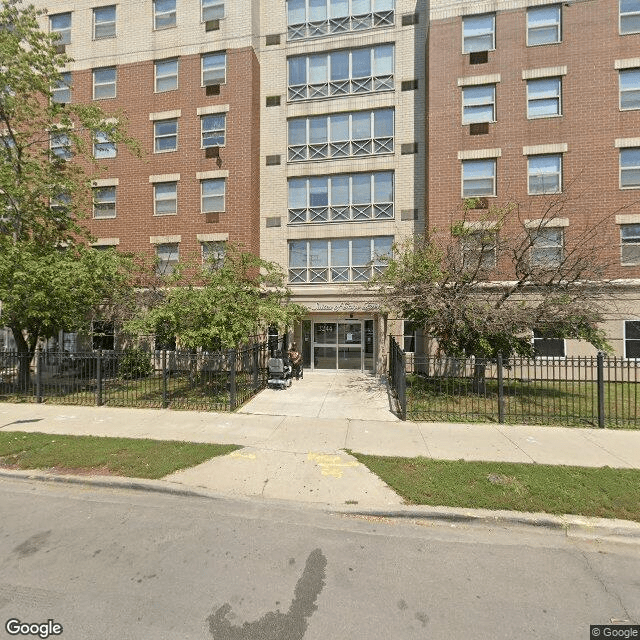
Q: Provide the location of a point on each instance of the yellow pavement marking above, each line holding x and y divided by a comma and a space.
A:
331, 465
239, 454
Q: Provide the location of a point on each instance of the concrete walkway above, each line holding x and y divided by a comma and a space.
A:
295, 439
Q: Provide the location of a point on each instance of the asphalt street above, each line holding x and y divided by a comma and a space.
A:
115, 564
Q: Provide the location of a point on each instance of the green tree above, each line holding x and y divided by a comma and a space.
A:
222, 305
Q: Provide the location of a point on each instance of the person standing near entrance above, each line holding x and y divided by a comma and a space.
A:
296, 360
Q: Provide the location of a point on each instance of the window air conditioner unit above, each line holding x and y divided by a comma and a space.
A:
212, 89
478, 57
481, 203
212, 217
212, 25
212, 152
479, 128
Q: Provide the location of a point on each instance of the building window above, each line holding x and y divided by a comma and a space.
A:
165, 198
630, 244
103, 147
408, 336
212, 10
60, 23
341, 198
104, 202
629, 89
164, 14
213, 254
544, 174
214, 68
104, 22
340, 73
61, 146
213, 130
61, 91
546, 346
543, 25
544, 98
61, 205
103, 335
165, 135
547, 247
166, 75
339, 260
479, 249
630, 168
167, 256
629, 16
478, 33
212, 195
342, 135
104, 83
479, 104
478, 178
632, 339
318, 18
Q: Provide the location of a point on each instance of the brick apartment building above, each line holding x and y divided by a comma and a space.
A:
318, 132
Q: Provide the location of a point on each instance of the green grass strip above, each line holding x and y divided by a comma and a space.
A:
131, 457
600, 492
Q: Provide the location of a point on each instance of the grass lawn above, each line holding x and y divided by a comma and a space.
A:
600, 492
135, 458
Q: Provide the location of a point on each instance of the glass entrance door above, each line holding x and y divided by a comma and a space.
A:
338, 345
350, 345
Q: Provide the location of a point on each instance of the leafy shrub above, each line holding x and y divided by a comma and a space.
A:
135, 363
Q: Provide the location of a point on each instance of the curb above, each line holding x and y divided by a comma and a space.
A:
579, 527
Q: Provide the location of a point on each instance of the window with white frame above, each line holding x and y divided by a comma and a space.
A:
340, 73
543, 25
167, 257
630, 244
478, 178
61, 91
165, 198
213, 254
212, 10
165, 135
60, 144
104, 83
166, 75
544, 174
214, 68
164, 14
629, 80
104, 22
547, 247
104, 202
409, 333
341, 135
319, 18
630, 168
212, 194
544, 98
629, 16
61, 204
545, 345
213, 130
479, 104
341, 198
103, 147
479, 33
60, 23
338, 260
479, 249
632, 339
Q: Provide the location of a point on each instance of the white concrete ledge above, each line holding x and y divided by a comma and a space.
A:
546, 72
469, 81
551, 222
212, 108
165, 115
165, 177
479, 154
208, 175
212, 237
164, 239
545, 148
105, 182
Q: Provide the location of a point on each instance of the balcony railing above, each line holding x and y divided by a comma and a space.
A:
334, 88
340, 149
346, 213
345, 24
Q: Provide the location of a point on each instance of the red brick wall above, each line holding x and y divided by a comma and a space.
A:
590, 123
135, 221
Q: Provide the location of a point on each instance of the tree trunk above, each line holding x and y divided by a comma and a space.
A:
479, 382
25, 356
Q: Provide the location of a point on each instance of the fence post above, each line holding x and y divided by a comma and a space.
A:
165, 404
39, 375
99, 378
600, 360
255, 366
232, 380
500, 391
402, 384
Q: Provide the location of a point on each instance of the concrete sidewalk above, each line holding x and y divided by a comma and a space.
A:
302, 457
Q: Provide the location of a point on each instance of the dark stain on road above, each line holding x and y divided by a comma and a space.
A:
32, 545
275, 625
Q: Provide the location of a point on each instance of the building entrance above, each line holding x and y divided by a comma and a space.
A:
338, 344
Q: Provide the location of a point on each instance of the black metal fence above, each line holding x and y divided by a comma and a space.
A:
199, 380
596, 391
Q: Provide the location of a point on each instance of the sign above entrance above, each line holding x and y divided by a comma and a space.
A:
343, 306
